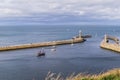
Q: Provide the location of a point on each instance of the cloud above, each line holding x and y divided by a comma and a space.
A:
104, 9
8, 12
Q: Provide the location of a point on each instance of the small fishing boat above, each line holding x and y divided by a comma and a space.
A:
53, 49
41, 53
53, 46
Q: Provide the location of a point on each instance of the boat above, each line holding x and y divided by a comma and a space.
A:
41, 53
53, 49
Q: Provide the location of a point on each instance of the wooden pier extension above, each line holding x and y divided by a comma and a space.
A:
42, 44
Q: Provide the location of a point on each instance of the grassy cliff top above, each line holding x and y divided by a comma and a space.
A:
113, 74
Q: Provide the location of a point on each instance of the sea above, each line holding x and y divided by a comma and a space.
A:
86, 57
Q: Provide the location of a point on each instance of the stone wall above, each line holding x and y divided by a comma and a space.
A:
42, 44
110, 46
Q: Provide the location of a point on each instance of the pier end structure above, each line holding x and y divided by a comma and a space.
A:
110, 46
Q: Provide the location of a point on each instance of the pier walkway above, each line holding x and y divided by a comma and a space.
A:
42, 44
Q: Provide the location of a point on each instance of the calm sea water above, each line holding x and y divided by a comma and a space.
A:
85, 57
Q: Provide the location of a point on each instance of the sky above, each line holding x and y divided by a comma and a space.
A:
60, 11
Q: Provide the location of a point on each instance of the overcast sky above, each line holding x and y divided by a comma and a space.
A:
95, 9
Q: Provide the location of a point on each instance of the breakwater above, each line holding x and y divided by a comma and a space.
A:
110, 46
42, 44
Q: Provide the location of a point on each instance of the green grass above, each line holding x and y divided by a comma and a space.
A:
109, 75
